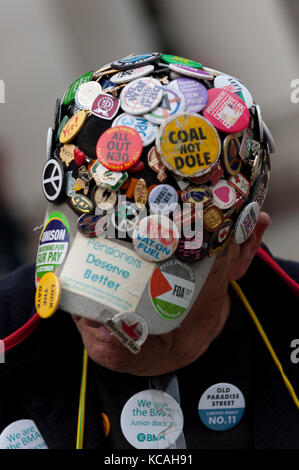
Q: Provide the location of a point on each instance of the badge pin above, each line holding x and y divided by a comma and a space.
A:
53, 180
105, 106
224, 195
141, 96
232, 160
130, 329
47, 296
140, 194
212, 218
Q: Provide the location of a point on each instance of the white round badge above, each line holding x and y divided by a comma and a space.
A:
221, 407
224, 195
246, 222
22, 434
173, 102
126, 76
151, 419
141, 96
155, 238
234, 86
147, 130
86, 94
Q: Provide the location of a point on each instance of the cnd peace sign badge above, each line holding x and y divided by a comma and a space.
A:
53, 180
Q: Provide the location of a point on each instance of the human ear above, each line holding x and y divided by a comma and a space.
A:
245, 253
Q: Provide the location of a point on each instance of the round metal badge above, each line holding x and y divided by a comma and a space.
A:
260, 189
212, 218
71, 92
188, 144
226, 111
193, 72
224, 195
173, 102
147, 130
141, 96
72, 127
105, 106
127, 76
135, 60
86, 94
163, 199
194, 92
174, 59
155, 238
53, 180
246, 222
234, 86
119, 148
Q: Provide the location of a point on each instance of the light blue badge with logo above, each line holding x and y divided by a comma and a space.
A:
221, 407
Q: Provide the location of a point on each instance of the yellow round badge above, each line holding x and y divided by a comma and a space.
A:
72, 127
189, 145
47, 296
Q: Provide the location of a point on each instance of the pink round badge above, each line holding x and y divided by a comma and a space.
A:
226, 111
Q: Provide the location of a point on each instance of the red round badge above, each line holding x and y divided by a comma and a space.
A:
119, 148
226, 111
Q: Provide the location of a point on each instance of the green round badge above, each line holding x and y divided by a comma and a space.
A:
71, 91
171, 288
174, 59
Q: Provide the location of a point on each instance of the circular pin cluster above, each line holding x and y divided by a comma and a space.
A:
182, 145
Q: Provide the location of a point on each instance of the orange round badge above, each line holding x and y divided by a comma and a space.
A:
119, 148
72, 127
188, 145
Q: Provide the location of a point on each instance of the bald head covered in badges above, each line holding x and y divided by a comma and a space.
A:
156, 165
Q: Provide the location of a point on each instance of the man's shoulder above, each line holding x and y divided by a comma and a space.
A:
17, 291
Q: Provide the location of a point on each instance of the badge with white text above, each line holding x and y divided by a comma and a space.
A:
105, 106
221, 407
53, 180
128, 75
151, 419
226, 111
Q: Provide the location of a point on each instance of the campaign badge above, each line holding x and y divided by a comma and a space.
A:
155, 238
141, 96
155, 163
81, 204
234, 86
72, 127
221, 237
171, 289
71, 92
198, 73
126, 76
194, 92
105, 106
212, 218
53, 245
224, 195
53, 180
152, 419
188, 145
108, 179
172, 103
221, 407
47, 296
174, 59
135, 60
226, 111
119, 148
163, 199
260, 189
246, 222
246, 144
146, 130
232, 160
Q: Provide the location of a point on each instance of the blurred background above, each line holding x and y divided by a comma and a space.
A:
46, 44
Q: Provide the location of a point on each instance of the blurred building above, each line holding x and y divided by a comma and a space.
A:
46, 44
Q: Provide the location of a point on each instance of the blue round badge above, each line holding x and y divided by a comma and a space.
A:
221, 407
135, 61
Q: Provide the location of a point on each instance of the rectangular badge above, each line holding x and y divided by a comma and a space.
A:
105, 272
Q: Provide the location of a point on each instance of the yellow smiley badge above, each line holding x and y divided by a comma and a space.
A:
47, 296
189, 145
73, 127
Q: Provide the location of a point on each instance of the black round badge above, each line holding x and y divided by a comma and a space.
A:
53, 180
134, 61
